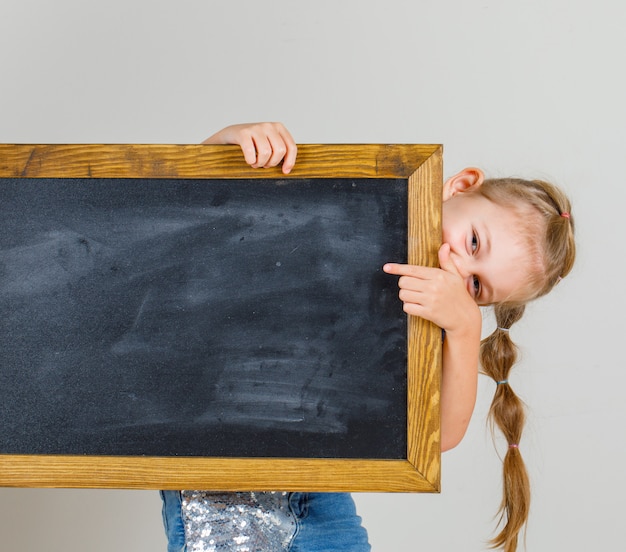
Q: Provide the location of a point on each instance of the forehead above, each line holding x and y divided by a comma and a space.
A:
507, 267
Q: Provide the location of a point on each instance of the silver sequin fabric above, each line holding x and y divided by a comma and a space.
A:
237, 522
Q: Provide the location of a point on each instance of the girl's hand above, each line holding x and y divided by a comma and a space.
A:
438, 294
263, 144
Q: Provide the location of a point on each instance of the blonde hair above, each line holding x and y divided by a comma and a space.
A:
550, 236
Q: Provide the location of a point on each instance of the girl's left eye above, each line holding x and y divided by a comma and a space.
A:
474, 242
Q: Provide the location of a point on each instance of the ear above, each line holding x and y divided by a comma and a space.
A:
467, 180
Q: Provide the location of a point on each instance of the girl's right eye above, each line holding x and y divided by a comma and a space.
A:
476, 284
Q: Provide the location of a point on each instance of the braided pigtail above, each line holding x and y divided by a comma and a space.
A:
545, 222
498, 354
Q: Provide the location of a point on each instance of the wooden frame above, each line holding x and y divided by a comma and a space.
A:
419, 165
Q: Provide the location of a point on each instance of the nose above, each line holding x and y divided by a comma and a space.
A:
461, 265
464, 268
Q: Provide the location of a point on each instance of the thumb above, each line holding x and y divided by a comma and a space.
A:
445, 261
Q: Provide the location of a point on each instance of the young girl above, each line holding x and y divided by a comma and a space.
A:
505, 242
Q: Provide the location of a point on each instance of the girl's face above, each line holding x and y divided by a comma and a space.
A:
486, 246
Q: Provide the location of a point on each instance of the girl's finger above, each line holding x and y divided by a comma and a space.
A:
292, 151
416, 271
248, 148
410, 296
263, 150
399, 269
411, 283
279, 149
445, 261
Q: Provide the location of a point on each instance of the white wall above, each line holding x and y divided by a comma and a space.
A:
530, 88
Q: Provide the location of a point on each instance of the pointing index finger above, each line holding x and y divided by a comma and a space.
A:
403, 269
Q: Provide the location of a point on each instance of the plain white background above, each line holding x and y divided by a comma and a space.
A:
532, 88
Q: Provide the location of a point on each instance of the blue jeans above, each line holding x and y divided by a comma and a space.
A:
324, 522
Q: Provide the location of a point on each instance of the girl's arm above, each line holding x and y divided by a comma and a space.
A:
263, 144
440, 295
459, 383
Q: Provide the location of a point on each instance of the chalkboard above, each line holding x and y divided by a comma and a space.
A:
173, 317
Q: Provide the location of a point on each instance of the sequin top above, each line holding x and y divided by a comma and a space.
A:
237, 522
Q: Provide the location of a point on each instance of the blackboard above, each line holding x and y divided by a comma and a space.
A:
204, 316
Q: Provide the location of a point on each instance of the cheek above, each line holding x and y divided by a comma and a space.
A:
452, 235
449, 229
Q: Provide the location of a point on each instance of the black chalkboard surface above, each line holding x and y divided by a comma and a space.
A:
201, 316
209, 318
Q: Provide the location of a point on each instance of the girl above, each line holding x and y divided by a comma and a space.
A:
505, 242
